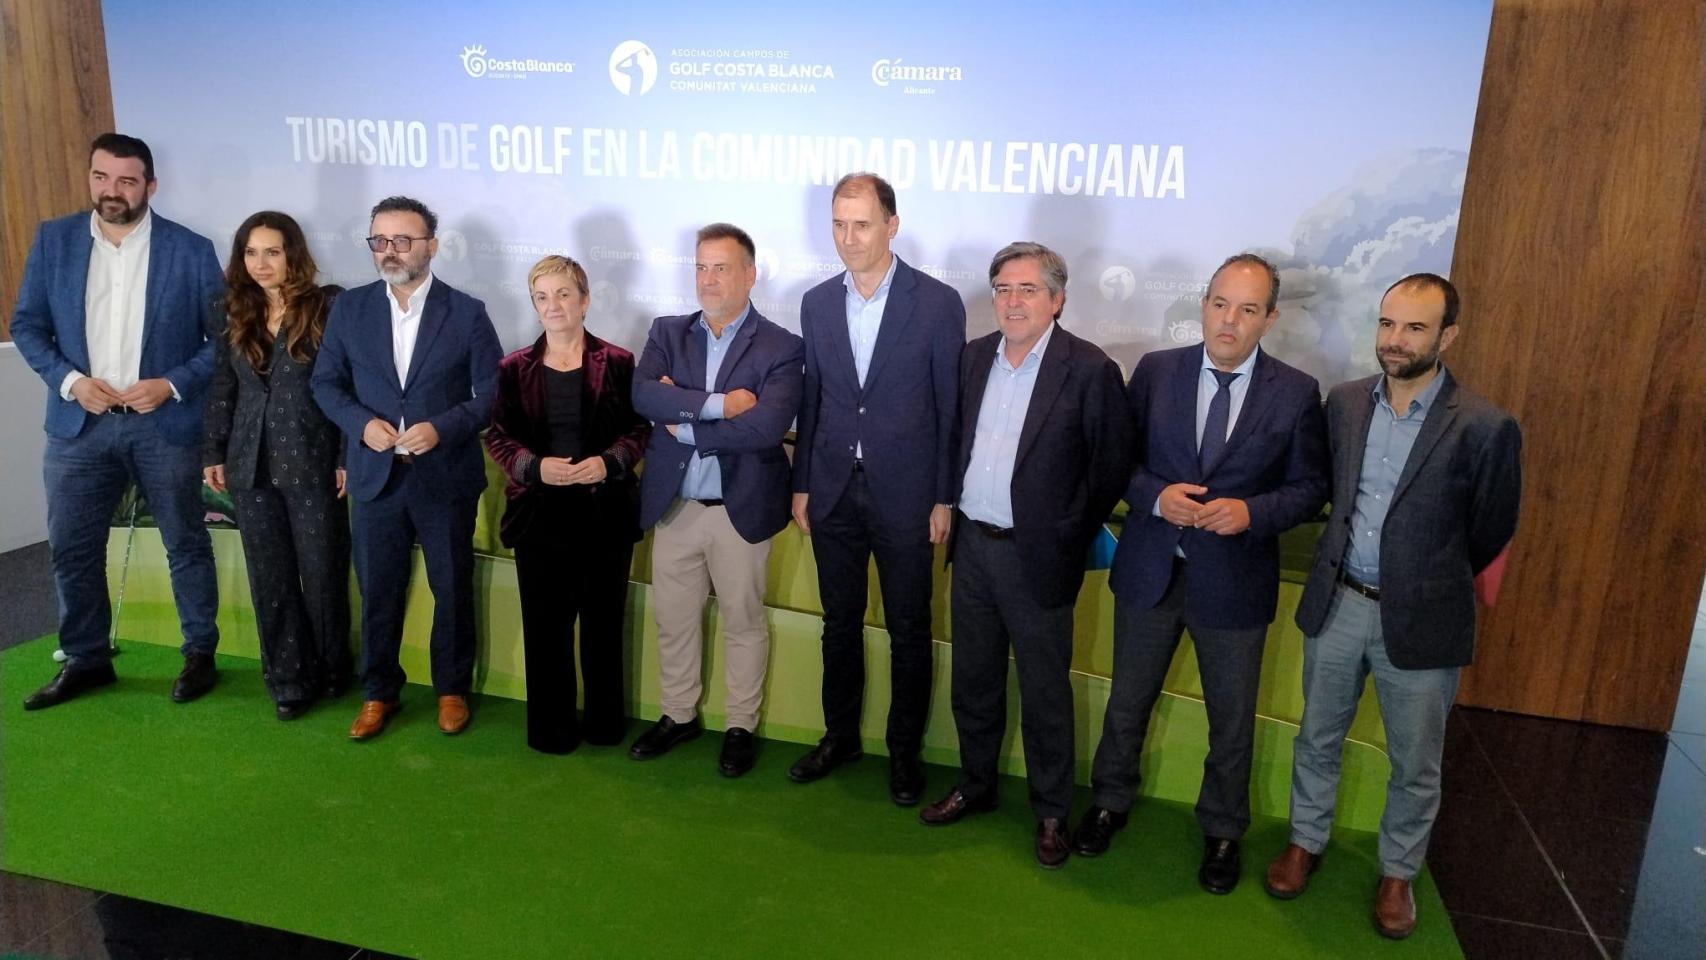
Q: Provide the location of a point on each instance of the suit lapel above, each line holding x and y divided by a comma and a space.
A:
82, 249
1249, 412
695, 351
897, 310
1440, 415
160, 252
1347, 457
432, 324
839, 337
742, 340
1183, 400
1051, 376
971, 398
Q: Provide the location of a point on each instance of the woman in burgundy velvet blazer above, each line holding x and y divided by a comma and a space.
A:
566, 435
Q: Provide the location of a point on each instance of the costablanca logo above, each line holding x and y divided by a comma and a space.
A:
629, 57
887, 71
477, 64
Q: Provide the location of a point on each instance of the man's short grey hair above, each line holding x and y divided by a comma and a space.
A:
1053, 267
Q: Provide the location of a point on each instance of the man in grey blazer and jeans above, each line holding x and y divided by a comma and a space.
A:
1424, 500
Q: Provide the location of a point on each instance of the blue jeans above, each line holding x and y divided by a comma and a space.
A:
1413, 707
85, 477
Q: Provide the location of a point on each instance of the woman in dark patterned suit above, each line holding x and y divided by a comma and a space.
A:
271, 446
565, 432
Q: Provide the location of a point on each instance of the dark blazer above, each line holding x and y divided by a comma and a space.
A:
453, 376
763, 358
1454, 510
1074, 455
1275, 461
50, 328
520, 435
246, 411
904, 413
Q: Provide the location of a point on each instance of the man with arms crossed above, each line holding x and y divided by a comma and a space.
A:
1232, 453
1423, 502
114, 312
873, 470
724, 383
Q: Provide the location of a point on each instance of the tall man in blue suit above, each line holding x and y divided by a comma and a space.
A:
1233, 452
724, 383
408, 370
874, 470
114, 313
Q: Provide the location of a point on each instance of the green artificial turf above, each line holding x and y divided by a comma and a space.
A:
474, 846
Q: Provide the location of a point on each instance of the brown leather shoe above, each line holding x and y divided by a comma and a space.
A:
1394, 908
1053, 845
372, 717
955, 807
1288, 875
452, 714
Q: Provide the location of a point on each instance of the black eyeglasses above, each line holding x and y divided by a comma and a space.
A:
399, 244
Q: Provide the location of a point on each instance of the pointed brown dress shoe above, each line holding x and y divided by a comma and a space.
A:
1289, 874
371, 720
452, 714
955, 807
1394, 908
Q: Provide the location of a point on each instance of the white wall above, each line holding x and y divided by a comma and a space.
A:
23, 509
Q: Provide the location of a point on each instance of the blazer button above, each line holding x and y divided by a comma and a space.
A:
861, 411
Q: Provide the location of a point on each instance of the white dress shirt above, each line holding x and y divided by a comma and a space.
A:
114, 295
405, 327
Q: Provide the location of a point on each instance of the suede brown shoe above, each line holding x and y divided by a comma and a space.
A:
372, 718
452, 714
1289, 874
1394, 908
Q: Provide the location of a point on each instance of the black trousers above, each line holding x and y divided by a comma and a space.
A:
1230, 662
993, 607
385, 530
296, 545
567, 572
843, 544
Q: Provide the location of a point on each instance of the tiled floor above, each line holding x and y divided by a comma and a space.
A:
1555, 840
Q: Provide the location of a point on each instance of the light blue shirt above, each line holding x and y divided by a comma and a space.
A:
704, 479
987, 493
1390, 438
864, 320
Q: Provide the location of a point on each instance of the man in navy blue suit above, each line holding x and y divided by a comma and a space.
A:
408, 370
874, 470
724, 383
114, 313
1232, 452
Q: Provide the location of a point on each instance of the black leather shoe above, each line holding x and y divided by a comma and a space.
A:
1052, 848
196, 679
662, 736
826, 756
1219, 873
292, 709
740, 751
906, 780
69, 683
1096, 831
955, 807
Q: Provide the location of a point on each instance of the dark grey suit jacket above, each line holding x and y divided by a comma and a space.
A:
1454, 510
245, 411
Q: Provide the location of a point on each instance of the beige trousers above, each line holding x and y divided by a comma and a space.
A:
695, 547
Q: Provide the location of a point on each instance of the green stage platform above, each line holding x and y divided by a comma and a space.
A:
474, 846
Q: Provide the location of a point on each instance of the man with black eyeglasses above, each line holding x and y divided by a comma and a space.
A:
408, 370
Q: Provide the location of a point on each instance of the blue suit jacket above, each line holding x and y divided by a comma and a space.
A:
50, 327
763, 358
453, 380
1275, 461
903, 415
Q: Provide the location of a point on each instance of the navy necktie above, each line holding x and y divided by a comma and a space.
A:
1214, 428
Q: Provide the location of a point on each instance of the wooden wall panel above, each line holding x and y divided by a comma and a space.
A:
55, 96
1579, 257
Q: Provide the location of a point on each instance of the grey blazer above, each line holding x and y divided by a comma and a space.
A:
245, 411
1454, 510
